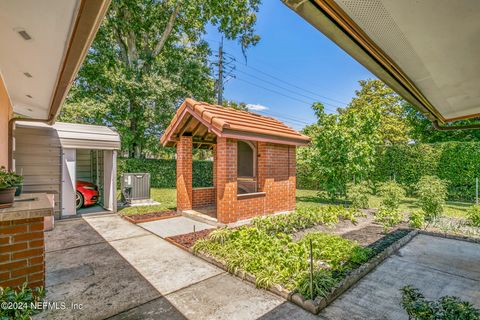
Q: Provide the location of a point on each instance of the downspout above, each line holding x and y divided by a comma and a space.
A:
11, 124
437, 127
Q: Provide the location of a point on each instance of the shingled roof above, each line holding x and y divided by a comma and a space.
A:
205, 122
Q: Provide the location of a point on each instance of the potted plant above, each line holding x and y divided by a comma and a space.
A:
19, 185
8, 183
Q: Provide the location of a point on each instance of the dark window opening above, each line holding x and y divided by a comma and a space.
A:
245, 160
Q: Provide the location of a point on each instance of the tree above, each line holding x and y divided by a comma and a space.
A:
376, 96
343, 148
147, 57
235, 105
345, 145
423, 131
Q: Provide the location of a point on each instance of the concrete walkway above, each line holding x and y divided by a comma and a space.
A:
138, 275
174, 226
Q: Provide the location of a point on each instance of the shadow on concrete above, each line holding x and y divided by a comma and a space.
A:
83, 269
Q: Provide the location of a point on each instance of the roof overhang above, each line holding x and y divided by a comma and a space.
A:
42, 45
427, 50
80, 136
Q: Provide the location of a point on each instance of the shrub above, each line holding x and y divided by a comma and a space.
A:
473, 216
392, 194
417, 307
323, 282
416, 219
23, 295
388, 217
163, 171
277, 259
432, 193
304, 218
357, 194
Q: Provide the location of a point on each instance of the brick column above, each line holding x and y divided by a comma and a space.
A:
292, 170
226, 176
265, 174
22, 253
184, 173
214, 151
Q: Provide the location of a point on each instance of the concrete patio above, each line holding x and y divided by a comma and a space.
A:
118, 270
437, 266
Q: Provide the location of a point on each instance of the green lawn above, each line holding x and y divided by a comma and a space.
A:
455, 209
167, 199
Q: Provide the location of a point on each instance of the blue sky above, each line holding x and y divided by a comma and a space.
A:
293, 51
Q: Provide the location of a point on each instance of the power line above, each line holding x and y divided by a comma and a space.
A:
281, 80
283, 116
289, 90
274, 91
293, 85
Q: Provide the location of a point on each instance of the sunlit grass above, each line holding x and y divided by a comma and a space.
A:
305, 198
454, 209
167, 198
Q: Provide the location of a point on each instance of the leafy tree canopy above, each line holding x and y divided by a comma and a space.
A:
146, 58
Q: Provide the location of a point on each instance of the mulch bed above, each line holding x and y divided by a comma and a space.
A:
371, 233
152, 216
189, 239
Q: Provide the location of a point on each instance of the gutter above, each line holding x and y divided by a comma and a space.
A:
437, 127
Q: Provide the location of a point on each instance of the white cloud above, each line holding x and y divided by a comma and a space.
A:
256, 107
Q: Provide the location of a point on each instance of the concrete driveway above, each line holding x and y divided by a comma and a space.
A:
118, 270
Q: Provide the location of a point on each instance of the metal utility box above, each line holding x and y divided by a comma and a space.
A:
135, 187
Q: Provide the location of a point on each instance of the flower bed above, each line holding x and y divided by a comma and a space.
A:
267, 254
147, 217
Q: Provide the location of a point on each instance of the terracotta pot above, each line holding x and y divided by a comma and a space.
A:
7, 196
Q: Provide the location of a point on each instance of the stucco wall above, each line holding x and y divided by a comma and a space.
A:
5, 115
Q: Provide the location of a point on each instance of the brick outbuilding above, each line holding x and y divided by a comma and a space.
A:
254, 161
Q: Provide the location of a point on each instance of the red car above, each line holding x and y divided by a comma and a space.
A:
87, 194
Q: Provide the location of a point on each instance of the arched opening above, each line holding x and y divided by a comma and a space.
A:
246, 167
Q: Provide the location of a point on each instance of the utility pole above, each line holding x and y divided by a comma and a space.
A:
220, 74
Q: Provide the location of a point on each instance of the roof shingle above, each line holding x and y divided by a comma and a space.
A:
232, 123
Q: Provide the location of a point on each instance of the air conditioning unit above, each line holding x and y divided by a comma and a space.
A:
135, 187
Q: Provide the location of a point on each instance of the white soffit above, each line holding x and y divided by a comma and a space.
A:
435, 42
49, 23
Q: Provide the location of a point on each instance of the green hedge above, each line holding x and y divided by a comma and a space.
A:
456, 162
163, 172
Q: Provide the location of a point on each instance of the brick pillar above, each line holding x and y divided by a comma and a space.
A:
184, 173
226, 176
265, 176
214, 151
22, 253
292, 170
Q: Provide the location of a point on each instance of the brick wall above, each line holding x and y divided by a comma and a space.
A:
22, 253
275, 176
184, 173
202, 197
250, 206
